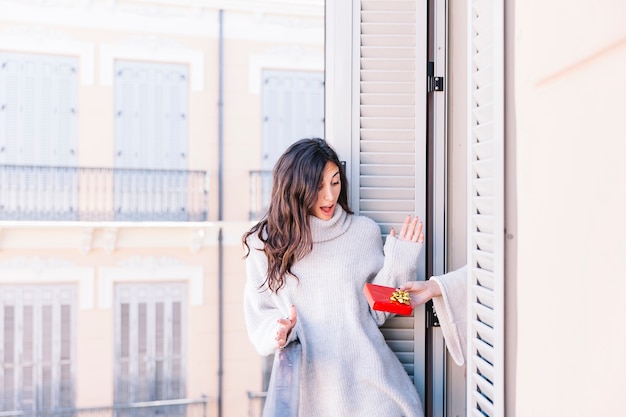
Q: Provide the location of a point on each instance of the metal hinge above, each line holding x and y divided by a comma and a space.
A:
431, 315
434, 83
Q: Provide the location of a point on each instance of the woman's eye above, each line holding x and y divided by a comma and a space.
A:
336, 183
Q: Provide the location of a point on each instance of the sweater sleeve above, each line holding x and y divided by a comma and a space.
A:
260, 309
399, 266
451, 311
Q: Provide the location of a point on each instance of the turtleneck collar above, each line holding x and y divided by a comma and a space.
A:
324, 230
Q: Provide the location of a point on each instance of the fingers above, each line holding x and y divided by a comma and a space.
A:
409, 286
405, 226
293, 316
284, 328
421, 291
411, 230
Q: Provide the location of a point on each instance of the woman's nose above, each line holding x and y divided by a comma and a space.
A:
328, 195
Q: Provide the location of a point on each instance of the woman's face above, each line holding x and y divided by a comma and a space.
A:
328, 193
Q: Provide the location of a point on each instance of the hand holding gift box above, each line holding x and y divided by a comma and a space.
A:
388, 299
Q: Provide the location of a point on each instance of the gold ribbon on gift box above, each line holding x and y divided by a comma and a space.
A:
401, 297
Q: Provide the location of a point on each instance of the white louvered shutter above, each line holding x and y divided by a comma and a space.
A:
293, 108
151, 133
150, 338
38, 109
391, 143
38, 127
38, 355
485, 364
151, 104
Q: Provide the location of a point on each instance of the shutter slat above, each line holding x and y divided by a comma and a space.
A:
484, 187
484, 169
388, 170
387, 123
484, 359
485, 387
388, 99
483, 113
484, 205
391, 52
387, 111
387, 193
388, 181
388, 5
484, 332
386, 158
380, 205
484, 223
484, 296
484, 278
484, 241
483, 75
484, 314
387, 73
484, 148
381, 28
485, 260
484, 404
391, 135
402, 88
386, 17
387, 146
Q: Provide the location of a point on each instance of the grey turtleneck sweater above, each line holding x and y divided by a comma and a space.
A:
347, 367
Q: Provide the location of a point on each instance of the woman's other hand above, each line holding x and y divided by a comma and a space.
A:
411, 230
284, 328
421, 291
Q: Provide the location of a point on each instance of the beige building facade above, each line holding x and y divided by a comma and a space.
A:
135, 137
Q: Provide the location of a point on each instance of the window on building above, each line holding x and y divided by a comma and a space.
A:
150, 342
38, 136
292, 105
37, 351
293, 108
151, 125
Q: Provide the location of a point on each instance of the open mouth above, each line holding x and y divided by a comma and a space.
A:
328, 210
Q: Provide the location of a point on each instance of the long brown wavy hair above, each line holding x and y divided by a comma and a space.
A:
285, 229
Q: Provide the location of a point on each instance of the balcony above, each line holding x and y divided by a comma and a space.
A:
53, 193
260, 192
173, 408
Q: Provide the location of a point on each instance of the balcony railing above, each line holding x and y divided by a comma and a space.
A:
52, 193
260, 192
169, 408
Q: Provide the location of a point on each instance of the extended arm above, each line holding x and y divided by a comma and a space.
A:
449, 295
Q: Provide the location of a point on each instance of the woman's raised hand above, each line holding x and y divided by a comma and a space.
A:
411, 230
284, 328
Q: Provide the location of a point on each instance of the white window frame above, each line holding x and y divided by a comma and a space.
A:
150, 269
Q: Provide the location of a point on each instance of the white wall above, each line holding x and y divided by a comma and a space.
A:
570, 101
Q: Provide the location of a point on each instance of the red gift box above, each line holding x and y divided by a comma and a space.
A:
379, 298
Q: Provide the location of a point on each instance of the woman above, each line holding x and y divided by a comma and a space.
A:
307, 261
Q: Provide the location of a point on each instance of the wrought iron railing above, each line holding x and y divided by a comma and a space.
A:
164, 408
260, 191
102, 194
256, 401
